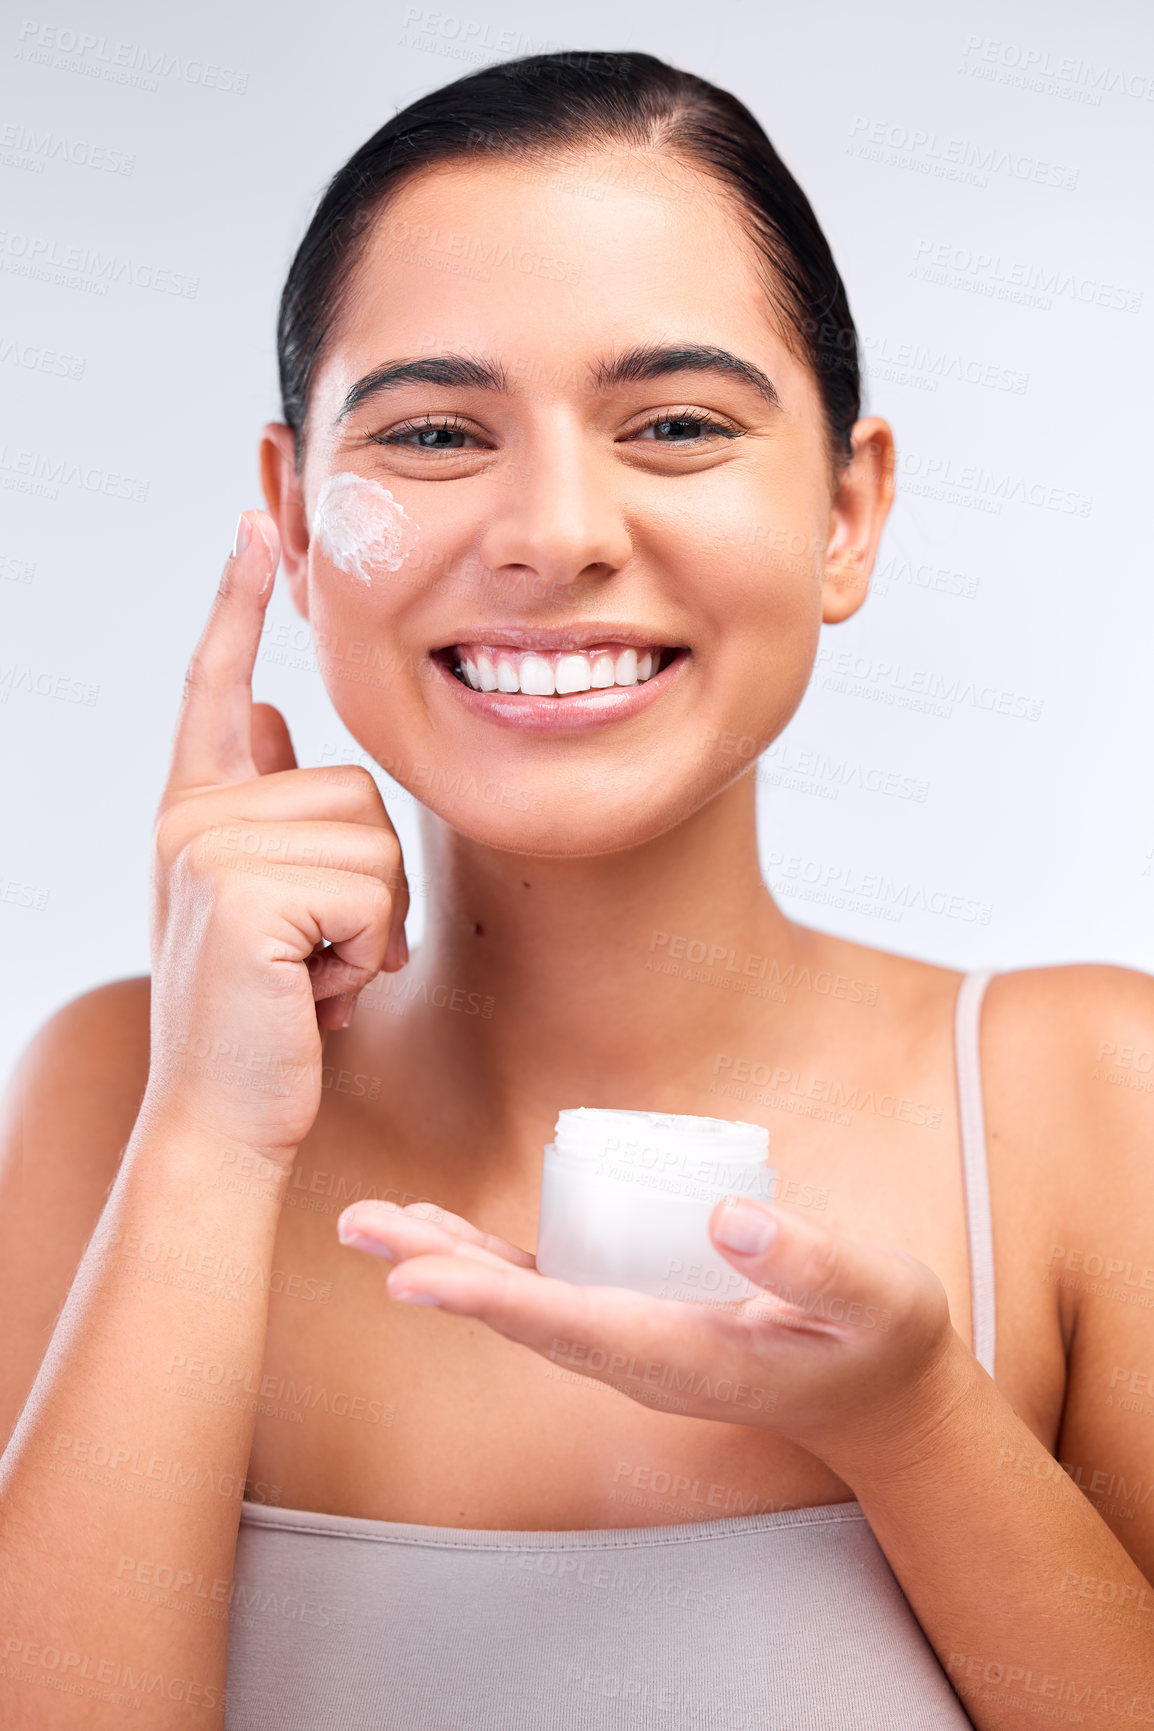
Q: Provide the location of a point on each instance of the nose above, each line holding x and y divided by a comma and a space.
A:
558, 519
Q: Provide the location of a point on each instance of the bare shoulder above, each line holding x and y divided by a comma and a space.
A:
1069, 1053
1068, 1076
88, 1063
68, 1112
1076, 1042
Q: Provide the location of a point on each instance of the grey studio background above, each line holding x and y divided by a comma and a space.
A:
968, 779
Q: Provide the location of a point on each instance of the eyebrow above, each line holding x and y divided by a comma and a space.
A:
655, 360
650, 361
451, 370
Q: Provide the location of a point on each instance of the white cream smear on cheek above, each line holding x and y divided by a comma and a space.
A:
362, 528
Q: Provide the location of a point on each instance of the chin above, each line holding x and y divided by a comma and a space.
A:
552, 820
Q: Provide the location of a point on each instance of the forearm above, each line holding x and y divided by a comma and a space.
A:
114, 1478
991, 1541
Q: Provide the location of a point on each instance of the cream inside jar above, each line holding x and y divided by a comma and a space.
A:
626, 1199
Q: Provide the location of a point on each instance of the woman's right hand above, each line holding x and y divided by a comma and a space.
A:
257, 866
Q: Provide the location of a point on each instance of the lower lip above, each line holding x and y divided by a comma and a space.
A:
579, 712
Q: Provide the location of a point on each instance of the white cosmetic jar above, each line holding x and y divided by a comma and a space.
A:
626, 1199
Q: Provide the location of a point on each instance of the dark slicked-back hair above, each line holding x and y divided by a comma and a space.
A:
544, 107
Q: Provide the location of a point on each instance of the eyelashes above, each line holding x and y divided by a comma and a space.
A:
686, 418
441, 431
687, 427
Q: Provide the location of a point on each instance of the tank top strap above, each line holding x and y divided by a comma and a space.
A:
975, 1171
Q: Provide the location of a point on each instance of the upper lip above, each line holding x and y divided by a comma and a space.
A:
550, 639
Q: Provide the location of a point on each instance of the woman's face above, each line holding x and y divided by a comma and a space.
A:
556, 442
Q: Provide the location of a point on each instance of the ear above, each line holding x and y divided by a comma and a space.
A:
284, 496
860, 506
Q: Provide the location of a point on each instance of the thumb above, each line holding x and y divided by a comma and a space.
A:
801, 1262
272, 749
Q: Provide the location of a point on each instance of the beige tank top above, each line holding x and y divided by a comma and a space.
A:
765, 1622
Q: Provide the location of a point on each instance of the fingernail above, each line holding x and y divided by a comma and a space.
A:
404, 949
745, 1230
242, 537
348, 1015
410, 1297
372, 1246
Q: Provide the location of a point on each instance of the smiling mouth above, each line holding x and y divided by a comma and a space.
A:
560, 673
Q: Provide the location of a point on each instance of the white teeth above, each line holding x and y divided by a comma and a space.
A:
537, 677
626, 669
560, 674
573, 674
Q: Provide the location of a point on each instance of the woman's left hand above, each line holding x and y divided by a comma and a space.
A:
847, 1346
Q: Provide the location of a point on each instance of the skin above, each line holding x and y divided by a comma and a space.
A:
551, 910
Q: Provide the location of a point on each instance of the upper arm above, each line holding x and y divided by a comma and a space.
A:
67, 1116
1104, 1264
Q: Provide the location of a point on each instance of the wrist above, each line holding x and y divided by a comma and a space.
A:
924, 1421
170, 1143
188, 1137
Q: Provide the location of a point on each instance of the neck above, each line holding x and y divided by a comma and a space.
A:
585, 963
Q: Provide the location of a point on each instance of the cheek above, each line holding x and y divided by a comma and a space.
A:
361, 528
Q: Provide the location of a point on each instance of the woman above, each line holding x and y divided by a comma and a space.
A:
571, 471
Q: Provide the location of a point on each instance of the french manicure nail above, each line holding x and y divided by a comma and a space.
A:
242, 537
746, 1230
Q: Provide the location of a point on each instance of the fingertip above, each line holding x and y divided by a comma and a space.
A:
396, 952
242, 535
268, 532
743, 1226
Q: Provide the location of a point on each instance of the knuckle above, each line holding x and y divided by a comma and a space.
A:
355, 780
197, 676
193, 859
387, 859
381, 900
820, 1264
913, 1289
169, 833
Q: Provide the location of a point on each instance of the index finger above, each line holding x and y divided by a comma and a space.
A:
213, 741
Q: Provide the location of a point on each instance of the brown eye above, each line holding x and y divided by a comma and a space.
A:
426, 436
684, 430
